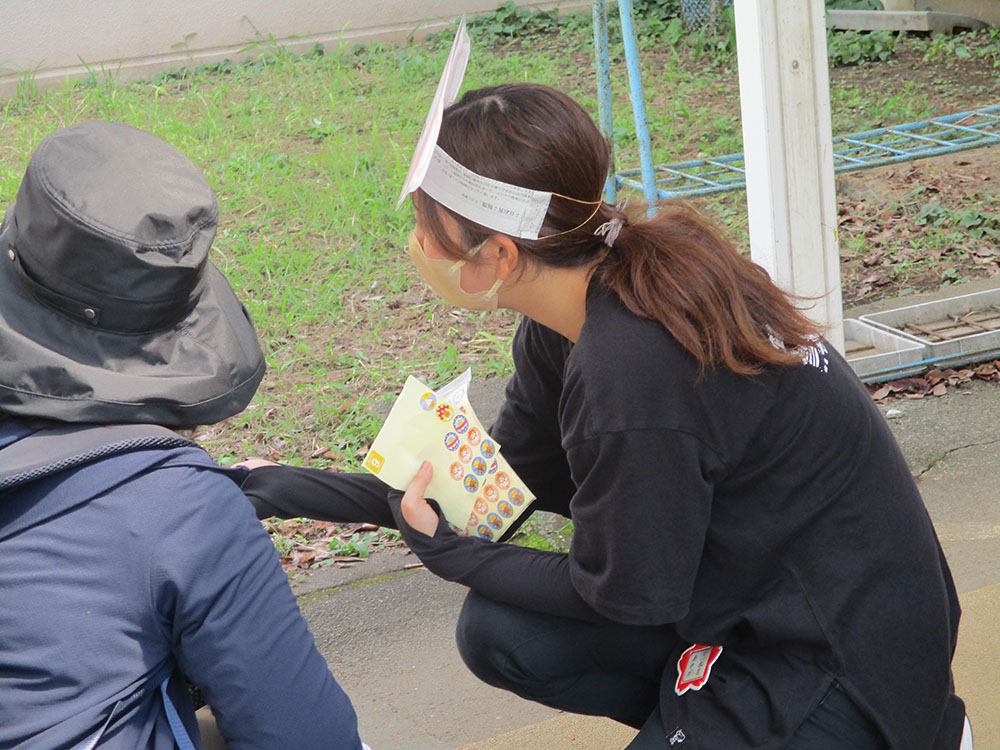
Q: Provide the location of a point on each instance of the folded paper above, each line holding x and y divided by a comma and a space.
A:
510, 209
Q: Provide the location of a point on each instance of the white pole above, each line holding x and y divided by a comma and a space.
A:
787, 145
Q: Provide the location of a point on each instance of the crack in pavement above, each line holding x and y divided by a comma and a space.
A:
948, 452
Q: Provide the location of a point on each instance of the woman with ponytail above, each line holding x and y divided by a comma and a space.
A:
751, 564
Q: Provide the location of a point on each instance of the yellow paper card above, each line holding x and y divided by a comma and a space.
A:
479, 493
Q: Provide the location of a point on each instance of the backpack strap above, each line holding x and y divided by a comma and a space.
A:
158, 681
50, 451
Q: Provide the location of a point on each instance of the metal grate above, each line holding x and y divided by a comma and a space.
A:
698, 14
872, 148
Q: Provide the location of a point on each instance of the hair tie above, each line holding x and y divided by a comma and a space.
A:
610, 229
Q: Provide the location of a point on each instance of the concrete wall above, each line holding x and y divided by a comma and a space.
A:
52, 40
985, 10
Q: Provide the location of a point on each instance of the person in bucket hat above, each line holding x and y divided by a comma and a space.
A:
111, 309
133, 558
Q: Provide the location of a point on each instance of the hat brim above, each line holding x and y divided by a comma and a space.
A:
202, 370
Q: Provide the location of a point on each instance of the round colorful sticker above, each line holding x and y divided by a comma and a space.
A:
456, 470
427, 401
461, 424
494, 520
484, 531
471, 483
444, 412
493, 468
491, 493
516, 496
478, 466
503, 481
481, 506
505, 509
489, 448
451, 441
473, 519
474, 436
465, 454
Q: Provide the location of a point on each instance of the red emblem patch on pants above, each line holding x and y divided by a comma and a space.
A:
694, 667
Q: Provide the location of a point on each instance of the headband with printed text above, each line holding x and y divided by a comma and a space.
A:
506, 208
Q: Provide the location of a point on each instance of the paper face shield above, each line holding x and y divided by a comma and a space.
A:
505, 208
445, 94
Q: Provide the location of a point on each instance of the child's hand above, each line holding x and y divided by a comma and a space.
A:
256, 463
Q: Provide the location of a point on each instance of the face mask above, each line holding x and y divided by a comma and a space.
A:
445, 277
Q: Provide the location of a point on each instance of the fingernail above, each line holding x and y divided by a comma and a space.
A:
425, 466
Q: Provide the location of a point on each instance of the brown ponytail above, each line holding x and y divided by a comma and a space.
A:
678, 269
675, 268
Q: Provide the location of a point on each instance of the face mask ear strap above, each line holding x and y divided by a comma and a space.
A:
578, 226
477, 248
459, 263
491, 292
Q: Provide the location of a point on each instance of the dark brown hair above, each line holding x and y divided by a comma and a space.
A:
675, 268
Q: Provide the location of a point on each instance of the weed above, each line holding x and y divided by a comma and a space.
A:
854, 4
933, 212
853, 47
953, 48
26, 93
657, 9
951, 276
358, 544
545, 532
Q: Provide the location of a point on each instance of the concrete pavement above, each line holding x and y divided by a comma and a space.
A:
388, 633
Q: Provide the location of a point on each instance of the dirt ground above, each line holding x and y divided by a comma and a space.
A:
895, 251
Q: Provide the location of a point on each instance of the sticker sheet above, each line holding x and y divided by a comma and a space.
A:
479, 493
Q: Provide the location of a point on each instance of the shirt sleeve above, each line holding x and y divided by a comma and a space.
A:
297, 492
532, 579
234, 626
527, 426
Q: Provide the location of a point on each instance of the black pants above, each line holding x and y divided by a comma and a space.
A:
613, 671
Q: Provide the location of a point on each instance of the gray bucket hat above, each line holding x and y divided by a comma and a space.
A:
110, 311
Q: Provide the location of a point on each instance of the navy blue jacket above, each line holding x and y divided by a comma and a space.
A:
129, 566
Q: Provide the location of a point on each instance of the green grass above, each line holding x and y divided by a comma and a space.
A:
307, 154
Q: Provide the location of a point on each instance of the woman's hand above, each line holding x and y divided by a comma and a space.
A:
416, 511
256, 463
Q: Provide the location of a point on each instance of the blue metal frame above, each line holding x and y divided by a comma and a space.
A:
647, 169
638, 104
604, 92
872, 148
